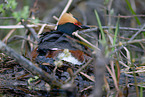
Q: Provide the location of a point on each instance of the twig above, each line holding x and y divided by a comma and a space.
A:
17, 26
125, 55
128, 42
30, 29
64, 11
56, 10
9, 34
79, 70
124, 64
16, 37
87, 76
112, 27
41, 29
83, 31
66, 8
140, 30
114, 78
2, 18
54, 71
138, 71
137, 33
75, 4
28, 65
56, 18
93, 46
121, 16
76, 43
89, 87
142, 46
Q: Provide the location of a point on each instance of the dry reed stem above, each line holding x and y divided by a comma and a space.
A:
64, 11
9, 34
41, 29
80, 69
77, 35
128, 42
28, 65
128, 55
114, 78
21, 26
87, 76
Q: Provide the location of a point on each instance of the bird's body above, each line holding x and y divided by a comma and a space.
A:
53, 44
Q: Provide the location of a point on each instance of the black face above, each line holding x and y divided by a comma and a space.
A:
68, 28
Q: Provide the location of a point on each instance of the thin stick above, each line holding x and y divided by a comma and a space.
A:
124, 64
79, 70
89, 77
121, 16
64, 11
9, 34
41, 29
128, 42
114, 78
56, 18
83, 31
140, 30
16, 26
22, 37
54, 71
138, 71
28, 65
77, 35
137, 33
30, 29
89, 87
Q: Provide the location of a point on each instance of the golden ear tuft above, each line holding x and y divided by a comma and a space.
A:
68, 17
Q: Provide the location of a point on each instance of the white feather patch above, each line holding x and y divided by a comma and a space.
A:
67, 56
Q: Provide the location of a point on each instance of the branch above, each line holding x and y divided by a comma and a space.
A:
64, 11
139, 31
133, 36
113, 27
18, 37
129, 42
87, 42
79, 70
28, 65
17, 26
30, 29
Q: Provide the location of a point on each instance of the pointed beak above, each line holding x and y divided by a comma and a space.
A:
85, 27
82, 26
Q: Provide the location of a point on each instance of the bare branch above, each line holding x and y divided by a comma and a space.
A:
129, 42
79, 70
28, 65
65, 10
30, 29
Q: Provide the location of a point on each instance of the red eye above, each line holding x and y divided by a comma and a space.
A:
77, 25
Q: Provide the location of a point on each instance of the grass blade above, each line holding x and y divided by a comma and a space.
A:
132, 11
100, 26
115, 36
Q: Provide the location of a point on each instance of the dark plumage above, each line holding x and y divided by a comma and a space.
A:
68, 28
49, 41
